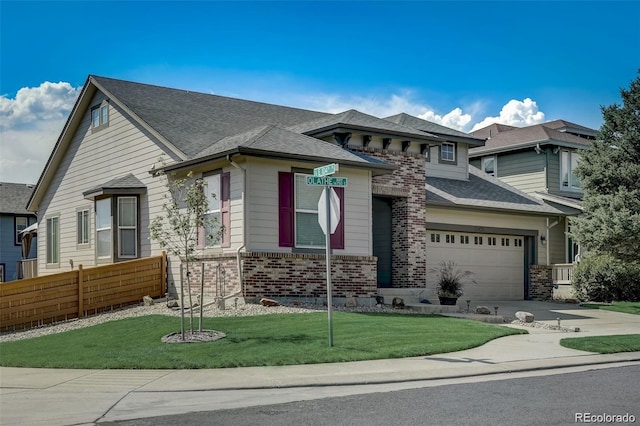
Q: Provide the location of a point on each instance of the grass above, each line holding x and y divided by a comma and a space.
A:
624, 307
134, 343
604, 344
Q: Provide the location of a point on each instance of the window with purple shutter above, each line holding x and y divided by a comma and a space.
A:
285, 209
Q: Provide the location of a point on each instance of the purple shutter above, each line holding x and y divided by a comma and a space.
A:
285, 209
225, 208
337, 238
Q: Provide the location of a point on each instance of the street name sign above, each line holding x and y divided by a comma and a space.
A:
327, 181
327, 170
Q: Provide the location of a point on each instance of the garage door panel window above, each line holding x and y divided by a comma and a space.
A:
450, 239
464, 239
477, 240
491, 241
435, 238
505, 242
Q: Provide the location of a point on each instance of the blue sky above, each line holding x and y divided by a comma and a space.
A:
455, 63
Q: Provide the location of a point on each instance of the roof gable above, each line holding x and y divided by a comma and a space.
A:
436, 129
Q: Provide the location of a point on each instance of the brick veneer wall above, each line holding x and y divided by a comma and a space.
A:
409, 237
220, 275
540, 282
304, 275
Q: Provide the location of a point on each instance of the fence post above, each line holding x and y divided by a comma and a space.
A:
80, 292
163, 274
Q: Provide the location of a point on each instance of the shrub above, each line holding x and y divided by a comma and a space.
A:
603, 278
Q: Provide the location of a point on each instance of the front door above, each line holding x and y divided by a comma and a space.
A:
382, 239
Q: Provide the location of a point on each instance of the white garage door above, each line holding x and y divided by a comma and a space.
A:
496, 260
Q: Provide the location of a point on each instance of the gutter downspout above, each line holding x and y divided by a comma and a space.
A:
244, 222
547, 237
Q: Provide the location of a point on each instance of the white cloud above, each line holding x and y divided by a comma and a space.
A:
515, 113
29, 127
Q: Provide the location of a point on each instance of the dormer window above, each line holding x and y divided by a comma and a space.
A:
100, 115
489, 166
448, 152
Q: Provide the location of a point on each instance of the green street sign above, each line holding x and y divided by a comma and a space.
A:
327, 181
327, 170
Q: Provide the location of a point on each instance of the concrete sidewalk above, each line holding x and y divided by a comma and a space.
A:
65, 397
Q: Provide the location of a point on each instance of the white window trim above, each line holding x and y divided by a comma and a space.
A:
100, 113
82, 229
495, 165
127, 227
49, 246
103, 229
569, 186
296, 210
217, 212
453, 151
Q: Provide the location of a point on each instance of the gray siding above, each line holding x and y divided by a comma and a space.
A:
458, 171
523, 170
554, 177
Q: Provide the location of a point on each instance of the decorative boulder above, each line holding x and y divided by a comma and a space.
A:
398, 302
172, 303
268, 302
148, 300
483, 310
524, 316
351, 302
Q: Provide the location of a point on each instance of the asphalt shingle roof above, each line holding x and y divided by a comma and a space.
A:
484, 191
193, 121
14, 197
433, 128
127, 182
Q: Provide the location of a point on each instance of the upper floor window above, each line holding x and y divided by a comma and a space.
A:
53, 240
82, 227
100, 115
568, 164
489, 166
448, 152
21, 223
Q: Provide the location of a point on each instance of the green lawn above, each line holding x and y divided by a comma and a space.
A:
604, 344
251, 341
624, 307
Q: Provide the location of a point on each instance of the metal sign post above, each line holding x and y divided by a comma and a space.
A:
327, 243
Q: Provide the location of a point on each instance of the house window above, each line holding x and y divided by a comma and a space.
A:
21, 224
298, 214
217, 189
82, 227
491, 241
448, 152
127, 227
103, 228
1, 272
477, 241
53, 240
435, 238
489, 166
451, 239
100, 115
569, 179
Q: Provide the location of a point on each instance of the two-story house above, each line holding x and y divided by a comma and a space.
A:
403, 206
539, 160
14, 218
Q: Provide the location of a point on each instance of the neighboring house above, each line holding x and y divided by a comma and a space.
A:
100, 190
540, 160
14, 218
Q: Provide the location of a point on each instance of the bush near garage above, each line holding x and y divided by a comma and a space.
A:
603, 278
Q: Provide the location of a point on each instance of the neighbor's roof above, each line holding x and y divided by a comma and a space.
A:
435, 129
482, 191
14, 197
530, 136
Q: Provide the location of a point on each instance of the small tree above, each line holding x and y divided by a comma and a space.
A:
183, 221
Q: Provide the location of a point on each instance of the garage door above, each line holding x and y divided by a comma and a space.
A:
496, 260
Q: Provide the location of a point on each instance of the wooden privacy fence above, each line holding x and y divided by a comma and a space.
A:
35, 301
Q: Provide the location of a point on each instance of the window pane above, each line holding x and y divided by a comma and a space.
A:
95, 117
104, 112
212, 190
53, 236
575, 180
83, 227
103, 214
308, 231
212, 231
104, 243
307, 196
447, 151
127, 243
564, 172
127, 211
489, 165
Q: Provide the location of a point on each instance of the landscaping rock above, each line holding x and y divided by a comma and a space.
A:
483, 310
148, 300
351, 302
268, 302
172, 303
398, 302
524, 316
